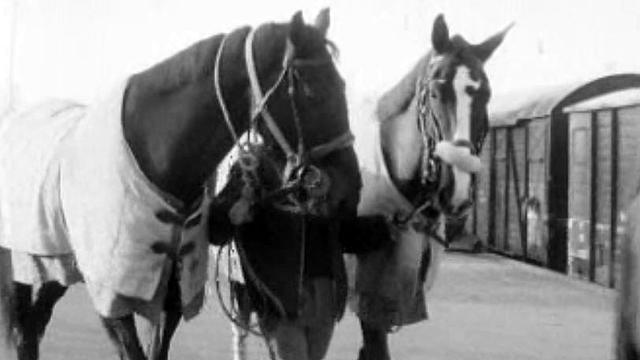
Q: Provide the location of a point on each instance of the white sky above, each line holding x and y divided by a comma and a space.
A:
78, 48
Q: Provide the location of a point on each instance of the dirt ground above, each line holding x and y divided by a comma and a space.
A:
483, 307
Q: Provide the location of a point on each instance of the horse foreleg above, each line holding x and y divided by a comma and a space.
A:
375, 344
239, 330
7, 303
33, 315
239, 342
161, 335
158, 335
122, 332
26, 333
42, 309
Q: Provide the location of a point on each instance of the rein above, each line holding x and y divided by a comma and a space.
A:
260, 100
299, 173
289, 66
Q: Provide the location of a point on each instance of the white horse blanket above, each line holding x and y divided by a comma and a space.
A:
70, 184
386, 287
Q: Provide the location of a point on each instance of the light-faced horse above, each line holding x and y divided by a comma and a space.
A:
431, 127
178, 120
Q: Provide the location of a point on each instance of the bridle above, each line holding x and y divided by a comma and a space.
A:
299, 172
433, 177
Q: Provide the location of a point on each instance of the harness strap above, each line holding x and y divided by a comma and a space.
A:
343, 141
219, 97
260, 99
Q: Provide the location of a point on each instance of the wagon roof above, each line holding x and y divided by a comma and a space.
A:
616, 99
508, 109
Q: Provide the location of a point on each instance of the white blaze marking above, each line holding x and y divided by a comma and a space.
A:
461, 82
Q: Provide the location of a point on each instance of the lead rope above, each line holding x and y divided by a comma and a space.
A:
247, 191
293, 159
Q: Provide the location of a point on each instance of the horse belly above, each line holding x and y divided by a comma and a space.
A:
30, 146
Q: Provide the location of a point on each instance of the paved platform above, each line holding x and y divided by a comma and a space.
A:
483, 307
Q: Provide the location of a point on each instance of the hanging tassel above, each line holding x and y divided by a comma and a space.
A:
240, 212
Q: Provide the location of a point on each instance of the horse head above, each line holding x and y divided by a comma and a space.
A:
309, 106
441, 108
297, 155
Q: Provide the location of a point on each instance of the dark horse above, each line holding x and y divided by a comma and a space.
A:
182, 116
431, 127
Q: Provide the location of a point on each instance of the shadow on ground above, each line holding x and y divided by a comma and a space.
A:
483, 307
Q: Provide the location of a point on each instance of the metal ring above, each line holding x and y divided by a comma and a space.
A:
310, 176
248, 161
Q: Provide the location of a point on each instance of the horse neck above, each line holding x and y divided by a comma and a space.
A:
402, 148
176, 131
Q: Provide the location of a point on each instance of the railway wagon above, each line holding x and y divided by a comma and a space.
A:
534, 198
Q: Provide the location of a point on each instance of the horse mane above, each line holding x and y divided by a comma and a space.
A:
189, 65
396, 100
198, 60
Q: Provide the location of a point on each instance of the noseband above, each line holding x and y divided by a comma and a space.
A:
299, 173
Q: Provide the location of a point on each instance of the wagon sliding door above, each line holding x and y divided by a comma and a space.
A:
590, 196
516, 166
482, 207
509, 176
498, 241
627, 121
535, 207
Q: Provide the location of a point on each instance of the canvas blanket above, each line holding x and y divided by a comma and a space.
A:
388, 284
102, 207
30, 148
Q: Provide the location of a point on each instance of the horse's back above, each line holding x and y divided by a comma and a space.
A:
30, 145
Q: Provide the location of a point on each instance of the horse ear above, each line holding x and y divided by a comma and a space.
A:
296, 28
440, 35
484, 50
322, 21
